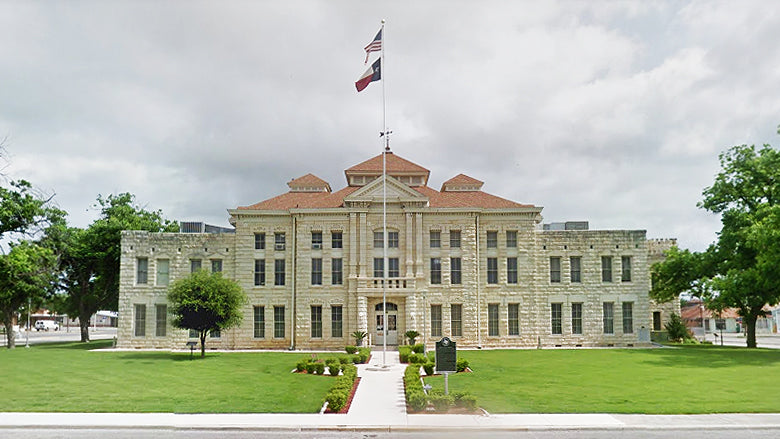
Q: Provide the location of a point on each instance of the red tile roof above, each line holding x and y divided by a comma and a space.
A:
393, 164
303, 200
461, 180
308, 180
467, 199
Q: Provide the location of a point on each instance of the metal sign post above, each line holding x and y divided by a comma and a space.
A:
446, 360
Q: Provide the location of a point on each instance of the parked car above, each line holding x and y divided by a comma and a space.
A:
45, 325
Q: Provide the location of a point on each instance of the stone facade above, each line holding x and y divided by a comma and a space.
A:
519, 286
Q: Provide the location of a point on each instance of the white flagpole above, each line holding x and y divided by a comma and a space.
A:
384, 199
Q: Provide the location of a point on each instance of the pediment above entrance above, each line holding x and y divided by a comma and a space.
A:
397, 193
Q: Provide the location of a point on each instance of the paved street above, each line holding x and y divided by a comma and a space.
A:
731, 339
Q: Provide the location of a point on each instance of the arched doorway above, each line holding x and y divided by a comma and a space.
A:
392, 323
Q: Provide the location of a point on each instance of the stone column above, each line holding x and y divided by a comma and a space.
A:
418, 262
362, 249
353, 244
411, 314
409, 247
362, 313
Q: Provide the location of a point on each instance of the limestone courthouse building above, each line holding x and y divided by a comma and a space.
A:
462, 263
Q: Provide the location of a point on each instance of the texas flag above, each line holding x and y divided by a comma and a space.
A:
374, 73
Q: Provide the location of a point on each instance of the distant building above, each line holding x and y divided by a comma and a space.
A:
462, 263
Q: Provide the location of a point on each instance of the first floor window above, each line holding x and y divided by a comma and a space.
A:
278, 322
492, 270
606, 268
628, 318
576, 318
609, 318
140, 320
456, 320
336, 321
163, 272
436, 320
161, 322
455, 272
626, 265
316, 322
511, 270
657, 321
142, 272
556, 314
555, 269
259, 272
514, 318
216, 265
435, 270
279, 272
195, 265
259, 322
215, 333
575, 263
336, 273
493, 319
316, 271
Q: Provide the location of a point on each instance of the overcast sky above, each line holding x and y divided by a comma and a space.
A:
611, 112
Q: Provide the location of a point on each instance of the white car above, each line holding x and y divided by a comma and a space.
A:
45, 325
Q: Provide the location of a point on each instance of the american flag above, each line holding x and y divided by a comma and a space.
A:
375, 45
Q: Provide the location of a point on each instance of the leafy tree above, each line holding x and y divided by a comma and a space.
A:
206, 302
25, 273
740, 269
90, 257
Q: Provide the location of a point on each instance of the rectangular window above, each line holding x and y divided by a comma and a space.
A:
278, 322
142, 272
336, 271
435, 239
336, 321
379, 267
259, 322
379, 240
316, 240
393, 267
609, 318
576, 318
140, 320
606, 268
455, 278
163, 272
514, 318
556, 316
555, 269
511, 238
492, 239
316, 271
628, 318
511, 270
161, 320
456, 320
492, 270
575, 263
279, 272
392, 239
259, 241
336, 240
626, 263
455, 238
280, 241
259, 272
657, 321
316, 321
435, 270
216, 265
195, 265
493, 319
193, 334
215, 333
435, 320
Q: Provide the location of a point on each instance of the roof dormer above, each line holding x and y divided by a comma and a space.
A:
461, 183
308, 183
399, 168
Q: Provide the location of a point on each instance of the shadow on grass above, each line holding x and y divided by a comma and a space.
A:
697, 356
162, 356
76, 345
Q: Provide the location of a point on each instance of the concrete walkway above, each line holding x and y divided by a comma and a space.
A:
379, 405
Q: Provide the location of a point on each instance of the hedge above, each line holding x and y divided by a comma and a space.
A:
339, 393
415, 396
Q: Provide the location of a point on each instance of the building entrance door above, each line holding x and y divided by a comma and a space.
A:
392, 327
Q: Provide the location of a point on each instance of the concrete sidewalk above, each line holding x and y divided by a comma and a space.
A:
379, 405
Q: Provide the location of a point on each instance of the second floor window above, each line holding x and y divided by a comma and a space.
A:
492, 239
279, 241
336, 240
435, 270
435, 239
316, 240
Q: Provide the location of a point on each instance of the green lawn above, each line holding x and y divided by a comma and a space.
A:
696, 379
69, 378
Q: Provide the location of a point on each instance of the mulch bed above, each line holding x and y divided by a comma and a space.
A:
345, 409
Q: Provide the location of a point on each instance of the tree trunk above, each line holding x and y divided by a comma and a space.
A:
84, 327
750, 327
9, 332
203, 344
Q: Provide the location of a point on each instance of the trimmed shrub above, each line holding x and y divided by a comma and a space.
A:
301, 365
343, 359
334, 368
428, 368
319, 368
432, 356
403, 353
441, 402
461, 364
465, 401
356, 359
351, 349
418, 348
339, 393
415, 396
311, 367
417, 359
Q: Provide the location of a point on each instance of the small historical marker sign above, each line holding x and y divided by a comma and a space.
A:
446, 355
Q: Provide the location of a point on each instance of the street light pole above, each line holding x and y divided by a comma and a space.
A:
29, 310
